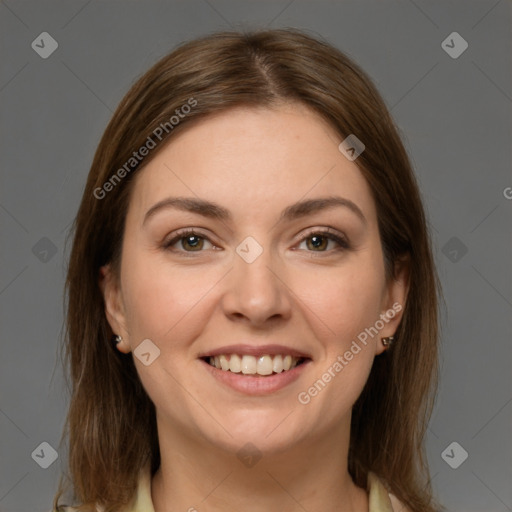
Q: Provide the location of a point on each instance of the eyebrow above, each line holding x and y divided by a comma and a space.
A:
214, 211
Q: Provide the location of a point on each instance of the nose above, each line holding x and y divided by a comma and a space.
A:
256, 293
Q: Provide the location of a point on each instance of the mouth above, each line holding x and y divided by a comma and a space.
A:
255, 370
264, 365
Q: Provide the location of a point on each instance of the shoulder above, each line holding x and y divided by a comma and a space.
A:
381, 498
398, 506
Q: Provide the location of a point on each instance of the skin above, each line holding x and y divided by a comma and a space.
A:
254, 162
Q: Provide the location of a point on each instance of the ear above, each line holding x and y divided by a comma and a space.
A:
393, 300
114, 306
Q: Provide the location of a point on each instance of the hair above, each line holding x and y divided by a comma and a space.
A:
111, 421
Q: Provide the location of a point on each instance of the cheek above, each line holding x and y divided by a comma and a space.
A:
348, 304
162, 299
342, 301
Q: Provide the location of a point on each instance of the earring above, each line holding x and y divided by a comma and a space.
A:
116, 339
388, 341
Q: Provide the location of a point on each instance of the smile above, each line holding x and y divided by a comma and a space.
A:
251, 365
254, 369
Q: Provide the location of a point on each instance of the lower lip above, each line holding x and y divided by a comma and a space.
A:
257, 384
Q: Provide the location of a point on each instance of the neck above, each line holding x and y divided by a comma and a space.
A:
195, 475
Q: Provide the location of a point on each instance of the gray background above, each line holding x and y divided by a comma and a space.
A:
455, 116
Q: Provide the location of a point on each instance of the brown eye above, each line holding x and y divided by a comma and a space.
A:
188, 241
318, 241
193, 241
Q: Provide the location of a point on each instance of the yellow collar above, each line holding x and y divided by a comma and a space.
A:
379, 498
378, 495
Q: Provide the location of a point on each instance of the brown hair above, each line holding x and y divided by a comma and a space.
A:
111, 420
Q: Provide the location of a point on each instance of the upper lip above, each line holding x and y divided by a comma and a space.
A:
255, 350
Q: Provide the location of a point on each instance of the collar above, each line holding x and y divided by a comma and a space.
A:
379, 500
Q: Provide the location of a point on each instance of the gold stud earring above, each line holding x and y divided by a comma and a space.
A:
388, 341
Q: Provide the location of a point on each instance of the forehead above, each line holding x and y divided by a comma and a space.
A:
250, 160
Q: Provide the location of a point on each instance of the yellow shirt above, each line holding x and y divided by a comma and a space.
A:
379, 498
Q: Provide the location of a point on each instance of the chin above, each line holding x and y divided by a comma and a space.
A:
271, 431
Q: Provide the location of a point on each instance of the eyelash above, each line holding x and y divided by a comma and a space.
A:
330, 235
327, 233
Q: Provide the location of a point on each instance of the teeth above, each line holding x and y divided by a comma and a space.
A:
224, 363
278, 364
250, 365
264, 365
235, 364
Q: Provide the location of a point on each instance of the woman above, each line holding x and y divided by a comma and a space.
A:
252, 318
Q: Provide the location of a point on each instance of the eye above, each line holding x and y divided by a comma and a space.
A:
320, 240
316, 241
190, 241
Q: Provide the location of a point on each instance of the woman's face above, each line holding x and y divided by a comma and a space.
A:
259, 283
